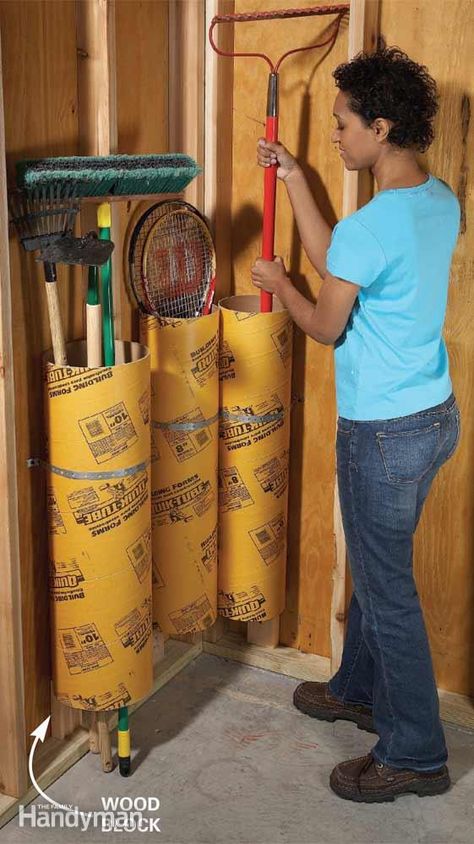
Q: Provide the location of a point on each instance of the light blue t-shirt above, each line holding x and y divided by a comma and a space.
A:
391, 359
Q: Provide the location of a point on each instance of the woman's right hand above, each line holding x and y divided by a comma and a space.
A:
269, 153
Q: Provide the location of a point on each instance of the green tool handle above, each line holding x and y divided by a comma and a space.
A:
103, 219
123, 742
107, 307
93, 286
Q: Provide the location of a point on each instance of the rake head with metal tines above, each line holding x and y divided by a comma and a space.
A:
43, 214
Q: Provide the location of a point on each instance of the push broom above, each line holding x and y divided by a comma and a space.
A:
271, 123
107, 176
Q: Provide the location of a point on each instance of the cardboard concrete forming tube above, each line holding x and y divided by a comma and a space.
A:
184, 414
98, 467
255, 390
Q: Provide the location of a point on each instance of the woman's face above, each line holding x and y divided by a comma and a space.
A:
359, 145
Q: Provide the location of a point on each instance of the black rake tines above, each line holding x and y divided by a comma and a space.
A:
42, 214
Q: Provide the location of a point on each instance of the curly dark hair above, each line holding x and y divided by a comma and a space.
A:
388, 84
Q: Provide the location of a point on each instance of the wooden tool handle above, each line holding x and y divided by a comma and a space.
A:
94, 744
104, 742
94, 335
57, 336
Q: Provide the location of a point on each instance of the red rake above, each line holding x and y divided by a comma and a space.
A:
271, 124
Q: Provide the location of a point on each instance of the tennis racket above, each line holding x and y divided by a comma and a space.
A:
172, 261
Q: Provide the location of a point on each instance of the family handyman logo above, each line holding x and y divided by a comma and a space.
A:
118, 814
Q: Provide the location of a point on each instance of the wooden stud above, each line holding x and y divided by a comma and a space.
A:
219, 85
214, 633
186, 86
13, 773
363, 31
158, 645
64, 719
189, 638
97, 104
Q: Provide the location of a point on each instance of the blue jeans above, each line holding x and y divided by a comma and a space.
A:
385, 470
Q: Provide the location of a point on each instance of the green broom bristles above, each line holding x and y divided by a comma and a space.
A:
113, 175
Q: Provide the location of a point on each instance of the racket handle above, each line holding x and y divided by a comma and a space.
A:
269, 187
94, 335
209, 298
55, 324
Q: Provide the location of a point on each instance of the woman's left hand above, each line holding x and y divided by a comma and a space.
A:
270, 275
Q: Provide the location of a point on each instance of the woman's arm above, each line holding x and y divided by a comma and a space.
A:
313, 229
324, 321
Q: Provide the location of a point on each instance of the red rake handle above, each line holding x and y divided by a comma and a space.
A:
269, 187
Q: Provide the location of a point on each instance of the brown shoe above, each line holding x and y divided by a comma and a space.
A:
366, 781
314, 699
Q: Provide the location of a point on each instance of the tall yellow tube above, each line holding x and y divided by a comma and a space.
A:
185, 396
99, 528
255, 390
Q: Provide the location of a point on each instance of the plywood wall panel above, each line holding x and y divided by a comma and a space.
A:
439, 35
142, 110
142, 76
40, 93
306, 100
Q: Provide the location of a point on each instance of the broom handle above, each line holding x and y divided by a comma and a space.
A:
55, 324
93, 320
269, 187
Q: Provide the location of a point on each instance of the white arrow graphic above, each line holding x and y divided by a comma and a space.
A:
39, 735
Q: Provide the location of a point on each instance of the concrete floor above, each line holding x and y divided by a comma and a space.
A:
231, 760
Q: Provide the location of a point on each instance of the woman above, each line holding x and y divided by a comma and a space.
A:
382, 303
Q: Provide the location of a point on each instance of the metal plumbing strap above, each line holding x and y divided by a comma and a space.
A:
33, 462
185, 426
252, 418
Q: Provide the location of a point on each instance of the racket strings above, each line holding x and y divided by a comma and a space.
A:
177, 265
